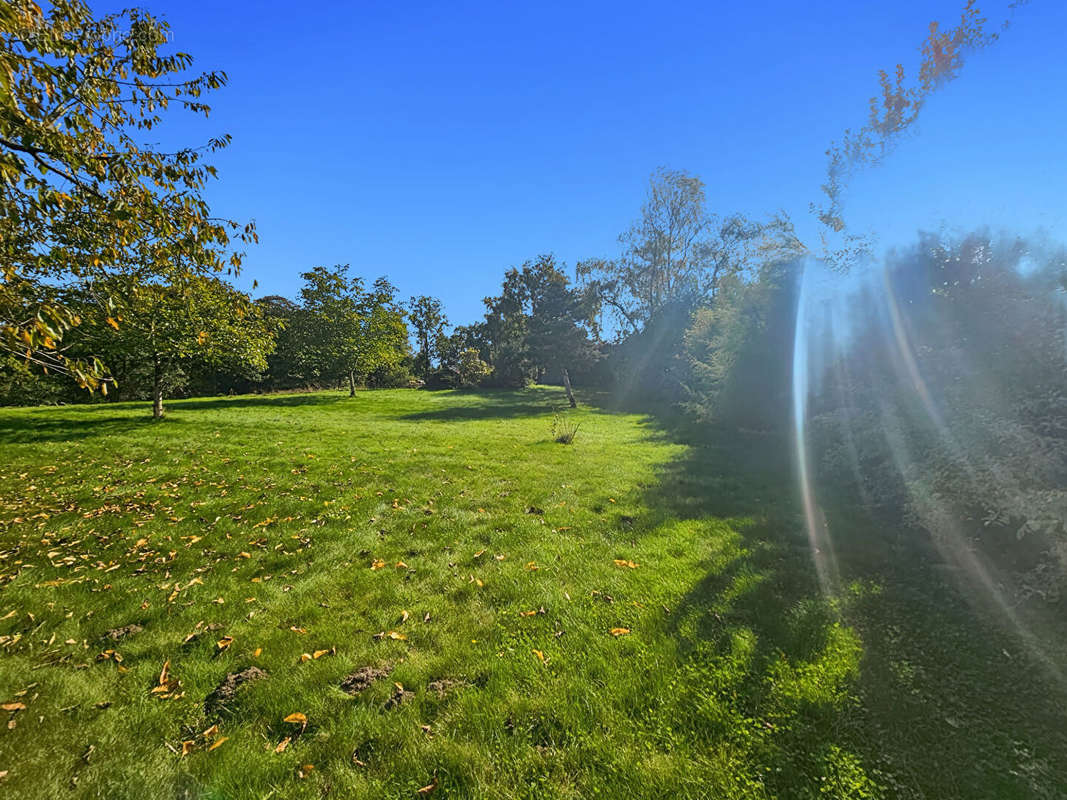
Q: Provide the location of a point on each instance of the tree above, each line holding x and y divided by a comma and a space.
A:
345, 331
470, 368
383, 343
160, 330
540, 324
678, 253
80, 199
429, 321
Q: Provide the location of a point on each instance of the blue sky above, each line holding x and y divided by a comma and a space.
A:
442, 143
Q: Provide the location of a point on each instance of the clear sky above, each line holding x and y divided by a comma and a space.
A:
440, 143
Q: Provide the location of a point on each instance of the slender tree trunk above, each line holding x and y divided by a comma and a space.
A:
157, 392
351, 383
567, 388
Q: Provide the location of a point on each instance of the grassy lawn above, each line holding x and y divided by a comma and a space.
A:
362, 598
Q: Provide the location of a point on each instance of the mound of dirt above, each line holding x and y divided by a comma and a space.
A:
226, 690
362, 678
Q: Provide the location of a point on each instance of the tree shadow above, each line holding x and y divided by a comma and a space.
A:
890, 679
492, 404
277, 400
60, 427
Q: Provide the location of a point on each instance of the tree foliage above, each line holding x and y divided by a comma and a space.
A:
160, 332
82, 199
342, 330
429, 322
678, 252
539, 325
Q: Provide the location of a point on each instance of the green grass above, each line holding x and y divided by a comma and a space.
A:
261, 518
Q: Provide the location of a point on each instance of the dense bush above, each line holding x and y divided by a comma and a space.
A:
947, 405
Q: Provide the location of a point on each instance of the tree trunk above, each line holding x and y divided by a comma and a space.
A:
157, 392
567, 388
351, 384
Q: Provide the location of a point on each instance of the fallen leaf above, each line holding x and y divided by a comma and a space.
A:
428, 787
224, 642
187, 747
305, 770
540, 655
402, 565
256, 653
297, 717
284, 743
217, 742
527, 613
377, 563
319, 654
305, 657
14, 706
212, 731
622, 562
619, 631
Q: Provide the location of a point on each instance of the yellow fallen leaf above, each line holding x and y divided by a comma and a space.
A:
397, 635
401, 565
377, 563
217, 742
212, 731
187, 747
14, 706
305, 657
540, 655
284, 743
622, 562
479, 553
224, 642
404, 617
305, 770
619, 631
531, 565
257, 652
527, 613
319, 654
297, 718
428, 788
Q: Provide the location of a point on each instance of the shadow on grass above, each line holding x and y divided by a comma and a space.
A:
295, 400
893, 686
70, 427
493, 404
